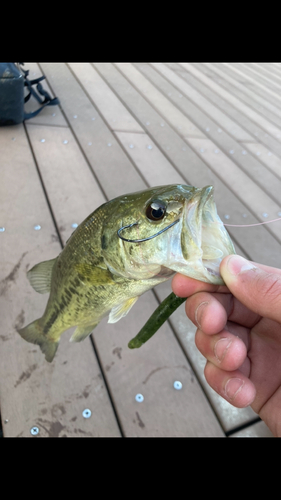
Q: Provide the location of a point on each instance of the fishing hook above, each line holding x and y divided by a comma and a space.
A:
145, 239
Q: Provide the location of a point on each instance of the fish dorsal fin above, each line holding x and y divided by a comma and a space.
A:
82, 332
121, 310
40, 276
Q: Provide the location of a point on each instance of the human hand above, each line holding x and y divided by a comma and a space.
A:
239, 333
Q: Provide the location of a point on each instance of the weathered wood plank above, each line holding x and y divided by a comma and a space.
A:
63, 165
176, 118
251, 165
256, 73
202, 74
34, 392
257, 118
114, 113
264, 69
259, 245
260, 135
272, 161
276, 66
231, 76
151, 163
256, 76
211, 111
230, 126
272, 69
103, 152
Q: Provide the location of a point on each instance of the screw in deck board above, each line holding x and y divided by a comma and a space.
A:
87, 413
177, 385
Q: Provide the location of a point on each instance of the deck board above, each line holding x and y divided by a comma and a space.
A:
250, 97
255, 76
120, 128
229, 77
209, 88
69, 181
33, 392
225, 138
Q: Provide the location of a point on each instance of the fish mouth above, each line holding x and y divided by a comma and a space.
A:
204, 241
215, 240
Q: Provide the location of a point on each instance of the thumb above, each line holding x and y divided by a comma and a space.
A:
257, 288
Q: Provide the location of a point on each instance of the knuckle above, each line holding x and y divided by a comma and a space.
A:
271, 288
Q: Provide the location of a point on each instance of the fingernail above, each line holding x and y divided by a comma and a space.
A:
221, 348
233, 386
199, 313
237, 264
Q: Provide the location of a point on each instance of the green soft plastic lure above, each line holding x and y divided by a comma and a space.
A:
160, 315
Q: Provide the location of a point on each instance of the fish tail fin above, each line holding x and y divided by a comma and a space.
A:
34, 333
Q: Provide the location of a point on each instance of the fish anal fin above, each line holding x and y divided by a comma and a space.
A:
82, 332
40, 276
121, 310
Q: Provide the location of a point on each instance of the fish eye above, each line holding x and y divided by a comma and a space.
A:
156, 210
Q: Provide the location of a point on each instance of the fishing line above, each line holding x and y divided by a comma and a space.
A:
175, 222
250, 225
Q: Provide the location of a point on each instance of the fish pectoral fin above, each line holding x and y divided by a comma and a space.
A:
82, 332
40, 276
121, 310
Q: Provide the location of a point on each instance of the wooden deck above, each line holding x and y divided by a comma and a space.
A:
120, 128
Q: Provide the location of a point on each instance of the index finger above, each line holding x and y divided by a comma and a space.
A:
183, 286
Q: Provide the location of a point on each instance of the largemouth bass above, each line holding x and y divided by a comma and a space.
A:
124, 248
